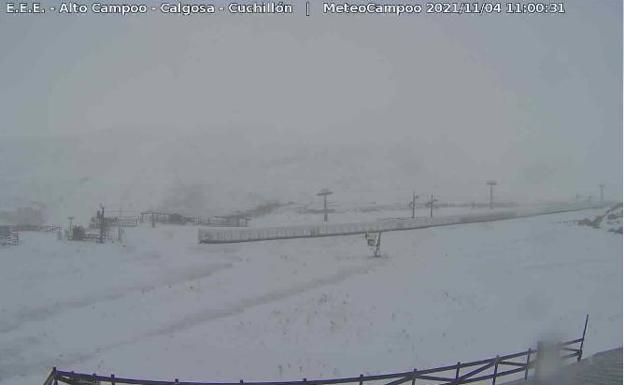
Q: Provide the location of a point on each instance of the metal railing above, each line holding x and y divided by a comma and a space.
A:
206, 235
37, 228
490, 369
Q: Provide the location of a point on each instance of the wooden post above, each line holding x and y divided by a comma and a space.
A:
495, 372
528, 365
457, 371
54, 375
580, 355
112, 379
414, 376
361, 379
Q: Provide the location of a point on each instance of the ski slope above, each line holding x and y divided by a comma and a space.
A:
161, 306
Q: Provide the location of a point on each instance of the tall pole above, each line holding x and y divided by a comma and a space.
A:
431, 207
414, 197
431, 202
325, 208
324, 193
602, 186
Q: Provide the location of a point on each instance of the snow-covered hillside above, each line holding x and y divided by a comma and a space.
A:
162, 306
203, 173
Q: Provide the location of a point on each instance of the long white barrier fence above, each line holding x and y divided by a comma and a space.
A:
324, 230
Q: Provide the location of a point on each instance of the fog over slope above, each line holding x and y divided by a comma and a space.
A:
229, 111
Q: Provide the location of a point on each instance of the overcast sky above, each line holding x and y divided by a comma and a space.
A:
262, 107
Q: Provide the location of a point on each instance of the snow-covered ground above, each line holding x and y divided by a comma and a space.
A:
164, 307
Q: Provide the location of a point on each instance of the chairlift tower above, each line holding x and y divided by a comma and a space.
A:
491, 183
430, 203
324, 193
413, 205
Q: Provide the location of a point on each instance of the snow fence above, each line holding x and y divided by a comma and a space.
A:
234, 235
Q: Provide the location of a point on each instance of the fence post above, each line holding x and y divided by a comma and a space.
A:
414, 376
112, 379
457, 371
361, 379
580, 355
54, 375
528, 364
495, 371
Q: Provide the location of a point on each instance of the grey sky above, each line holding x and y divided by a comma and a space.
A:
260, 107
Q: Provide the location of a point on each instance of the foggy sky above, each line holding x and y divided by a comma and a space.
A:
250, 108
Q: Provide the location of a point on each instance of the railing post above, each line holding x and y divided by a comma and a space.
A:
528, 364
580, 354
495, 371
414, 376
54, 375
457, 371
112, 379
361, 379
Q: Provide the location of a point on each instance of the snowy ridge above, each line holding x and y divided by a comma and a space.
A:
311, 231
